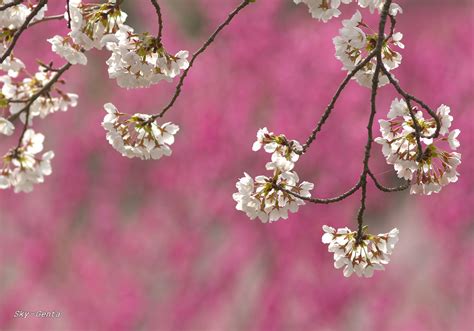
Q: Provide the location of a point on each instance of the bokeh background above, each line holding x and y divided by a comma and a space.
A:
119, 244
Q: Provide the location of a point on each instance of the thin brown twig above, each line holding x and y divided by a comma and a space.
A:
323, 201
388, 189
160, 18
373, 105
22, 28
68, 14
209, 41
331, 105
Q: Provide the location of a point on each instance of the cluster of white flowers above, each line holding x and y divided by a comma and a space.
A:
353, 45
324, 10
264, 197
284, 152
11, 65
437, 167
68, 50
18, 93
137, 60
371, 253
138, 135
140, 60
92, 25
14, 17
23, 167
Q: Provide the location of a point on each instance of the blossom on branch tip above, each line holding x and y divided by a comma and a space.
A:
138, 135
22, 167
436, 167
262, 198
282, 149
92, 25
361, 257
140, 60
355, 43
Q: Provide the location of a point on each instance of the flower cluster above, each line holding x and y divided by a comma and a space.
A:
269, 198
355, 42
92, 25
284, 152
436, 167
23, 167
140, 60
14, 17
138, 135
18, 93
324, 10
362, 256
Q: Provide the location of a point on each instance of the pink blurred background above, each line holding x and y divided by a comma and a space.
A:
119, 244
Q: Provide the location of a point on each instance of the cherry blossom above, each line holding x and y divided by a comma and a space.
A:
363, 257
22, 167
138, 135
436, 167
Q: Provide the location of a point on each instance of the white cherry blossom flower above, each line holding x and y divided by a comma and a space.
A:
140, 60
13, 17
436, 167
363, 257
284, 152
70, 52
92, 25
355, 42
6, 127
138, 135
261, 198
23, 167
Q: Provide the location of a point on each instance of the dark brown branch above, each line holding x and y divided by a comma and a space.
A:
373, 105
388, 189
322, 201
43, 90
331, 105
179, 86
160, 18
68, 14
11, 4
23, 27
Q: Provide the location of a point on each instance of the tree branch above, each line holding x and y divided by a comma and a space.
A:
388, 189
160, 19
44, 89
23, 27
179, 86
322, 201
373, 97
